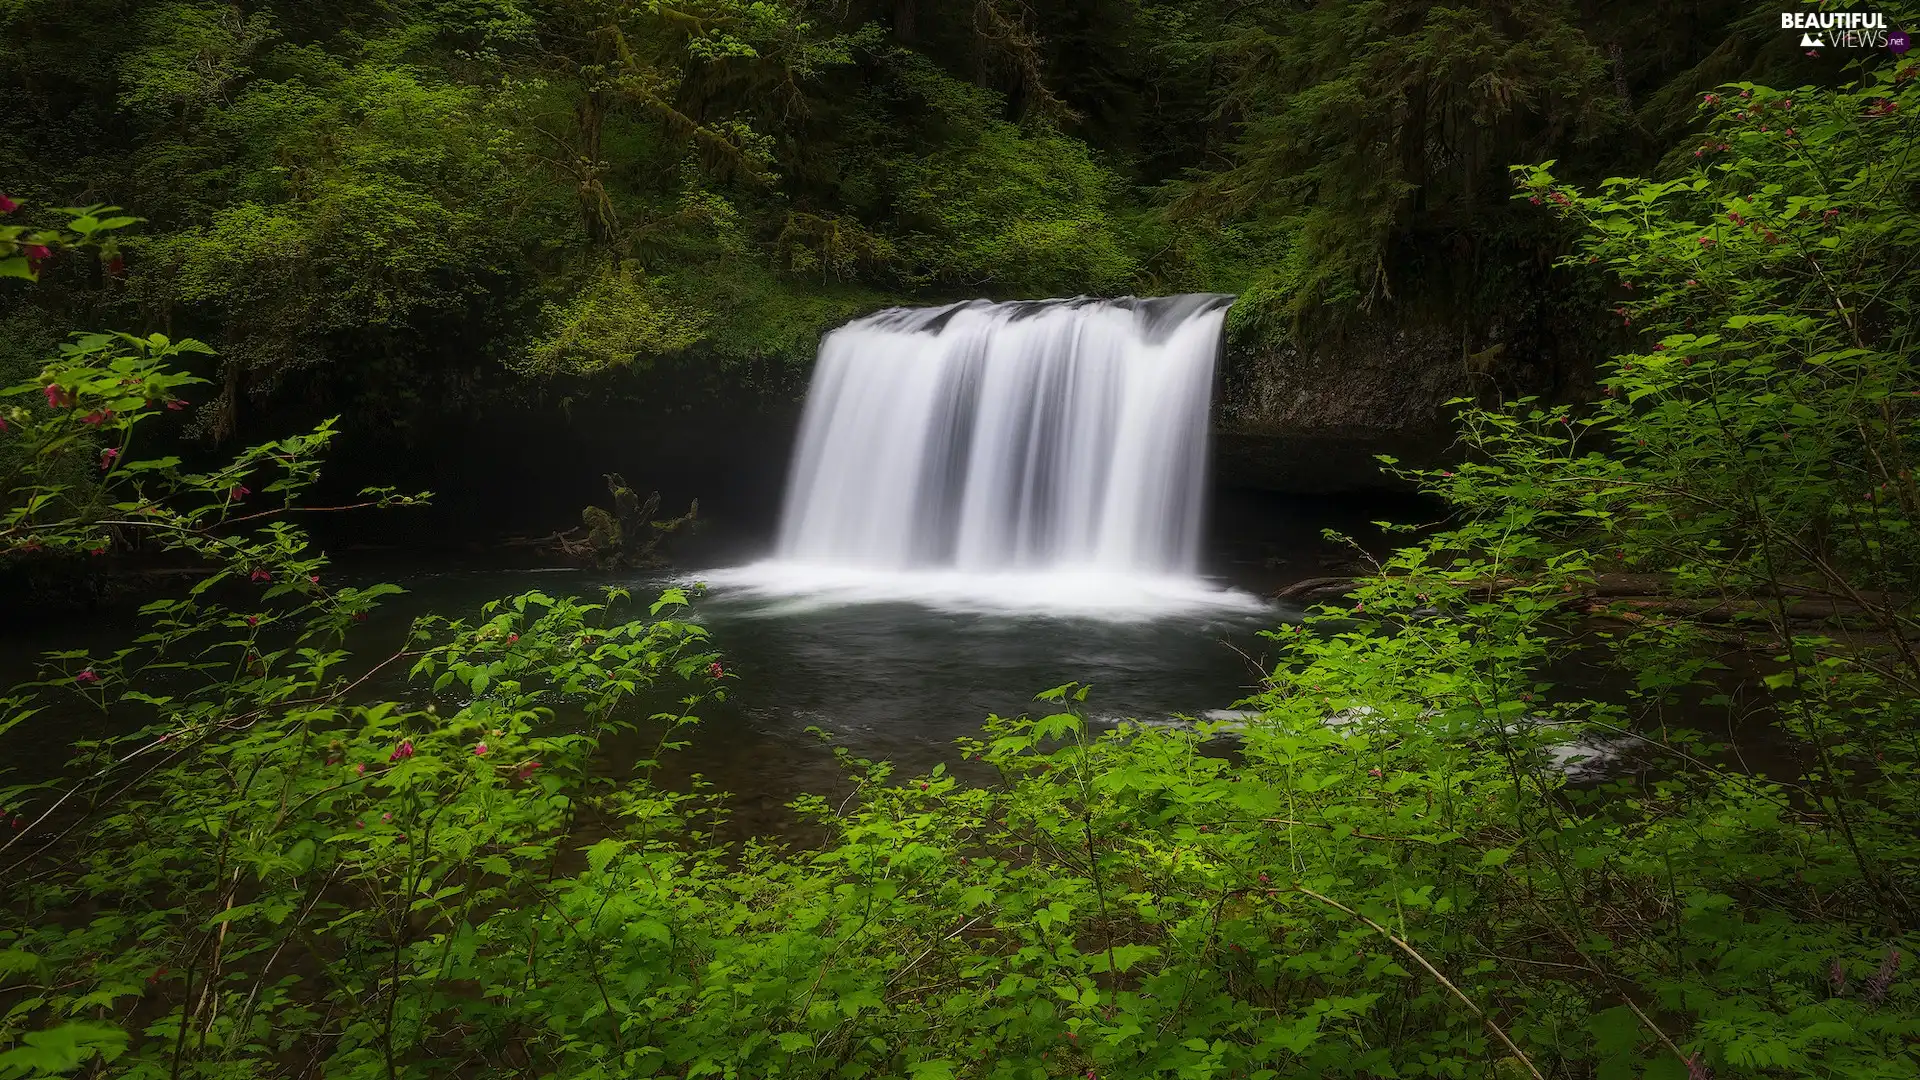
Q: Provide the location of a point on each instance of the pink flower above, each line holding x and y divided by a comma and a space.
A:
1877, 984
314, 578
1706, 241
239, 492
58, 398
107, 457
714, 669
176, 405
86, 677
480, 750
97, 417
526, 770
386, 817
253, 620
402, 752
262, 575
7, 205
3, 425
511, 638
360, 769
1375, 773
36, 253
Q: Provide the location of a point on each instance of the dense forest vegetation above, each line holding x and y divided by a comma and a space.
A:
280, 849
391, 208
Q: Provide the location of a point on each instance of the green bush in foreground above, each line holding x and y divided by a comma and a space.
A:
257, 867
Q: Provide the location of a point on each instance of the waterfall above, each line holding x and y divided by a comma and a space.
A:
1039, 435
1042, 456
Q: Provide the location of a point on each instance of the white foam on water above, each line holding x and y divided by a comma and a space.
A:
788, 587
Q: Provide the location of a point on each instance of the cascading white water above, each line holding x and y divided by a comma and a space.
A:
1039, 455
986, 437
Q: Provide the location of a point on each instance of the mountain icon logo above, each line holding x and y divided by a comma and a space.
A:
1811, 41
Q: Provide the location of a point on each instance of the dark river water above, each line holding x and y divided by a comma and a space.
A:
888, 678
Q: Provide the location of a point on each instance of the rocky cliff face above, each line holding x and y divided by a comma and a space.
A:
1310, 417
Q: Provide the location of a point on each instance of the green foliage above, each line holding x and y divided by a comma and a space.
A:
281, 850
616, 322
1016, 214
1364, 125
397, 205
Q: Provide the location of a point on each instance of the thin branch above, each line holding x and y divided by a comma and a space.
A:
1435, 972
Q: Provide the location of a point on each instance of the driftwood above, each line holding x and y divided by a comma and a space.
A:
1635, 597
625, 537
1316, 589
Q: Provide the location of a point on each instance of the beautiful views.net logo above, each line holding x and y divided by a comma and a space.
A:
1845, 30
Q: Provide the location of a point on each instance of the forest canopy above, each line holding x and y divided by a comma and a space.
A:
376, 203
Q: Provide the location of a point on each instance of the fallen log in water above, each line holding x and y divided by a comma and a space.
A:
1315, 589
1651, 594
